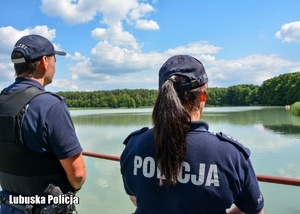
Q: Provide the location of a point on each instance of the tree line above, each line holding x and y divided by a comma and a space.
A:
277, 91
120, 98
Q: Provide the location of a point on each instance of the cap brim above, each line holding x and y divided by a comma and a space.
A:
62, 53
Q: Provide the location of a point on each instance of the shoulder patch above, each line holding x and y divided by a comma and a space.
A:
235, 142
137, 132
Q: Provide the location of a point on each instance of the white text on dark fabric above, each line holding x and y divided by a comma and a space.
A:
205, 177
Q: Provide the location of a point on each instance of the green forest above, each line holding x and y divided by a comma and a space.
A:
278, 91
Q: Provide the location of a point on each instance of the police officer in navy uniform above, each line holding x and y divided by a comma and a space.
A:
39, 145
179, 166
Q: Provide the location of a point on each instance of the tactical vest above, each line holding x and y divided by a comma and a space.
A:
23, 171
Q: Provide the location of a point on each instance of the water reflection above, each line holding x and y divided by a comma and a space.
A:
119, 119
287, 129
263, 116
275, 119
272, 135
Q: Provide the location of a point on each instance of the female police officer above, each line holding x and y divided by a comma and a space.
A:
179, 166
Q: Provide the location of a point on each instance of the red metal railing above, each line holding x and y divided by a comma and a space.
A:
102, 156
262, 178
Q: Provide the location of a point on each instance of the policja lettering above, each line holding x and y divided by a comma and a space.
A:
63, 199
148, 168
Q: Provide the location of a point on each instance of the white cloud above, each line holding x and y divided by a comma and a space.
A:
63, 85
6, 69
72, 12
147, 25
116, 36
83, 79
115, 66
76, 12
252, 69
140, 11
111, 13
118, 51
108, 62
195, 48
9, 35
289, 32
116, 11
135, 17
115, 60
77, 56
141, 71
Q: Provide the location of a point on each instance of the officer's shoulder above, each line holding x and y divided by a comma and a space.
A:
52, 95
137, 132
227, 138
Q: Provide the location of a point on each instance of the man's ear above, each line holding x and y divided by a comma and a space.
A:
44, 62
203, 97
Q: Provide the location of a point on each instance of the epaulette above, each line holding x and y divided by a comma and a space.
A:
137, 132
235, 142
56, 95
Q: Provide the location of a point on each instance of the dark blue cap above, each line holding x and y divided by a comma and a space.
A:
34, 47
183, 65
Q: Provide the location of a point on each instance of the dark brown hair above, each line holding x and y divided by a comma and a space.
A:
26, 67
171, 119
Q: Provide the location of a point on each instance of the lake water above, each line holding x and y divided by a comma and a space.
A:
271, 133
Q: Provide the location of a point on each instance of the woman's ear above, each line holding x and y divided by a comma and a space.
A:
203, 97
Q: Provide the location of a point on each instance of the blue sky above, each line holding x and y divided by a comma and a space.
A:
117, 44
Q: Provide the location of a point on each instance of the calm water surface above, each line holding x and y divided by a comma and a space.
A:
271, 133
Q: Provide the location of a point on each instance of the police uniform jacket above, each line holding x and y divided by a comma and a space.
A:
216, 173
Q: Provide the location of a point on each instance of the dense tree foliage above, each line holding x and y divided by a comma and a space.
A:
111, 99
281, 90
238, 95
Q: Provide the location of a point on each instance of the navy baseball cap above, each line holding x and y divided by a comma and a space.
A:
183, 65
33, 47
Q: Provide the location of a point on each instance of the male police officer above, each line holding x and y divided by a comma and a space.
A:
38, 143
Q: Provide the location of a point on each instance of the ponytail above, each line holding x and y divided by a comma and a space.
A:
171, 119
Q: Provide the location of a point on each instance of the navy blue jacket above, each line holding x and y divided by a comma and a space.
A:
216, 173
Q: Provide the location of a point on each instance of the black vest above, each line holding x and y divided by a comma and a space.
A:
23, 171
